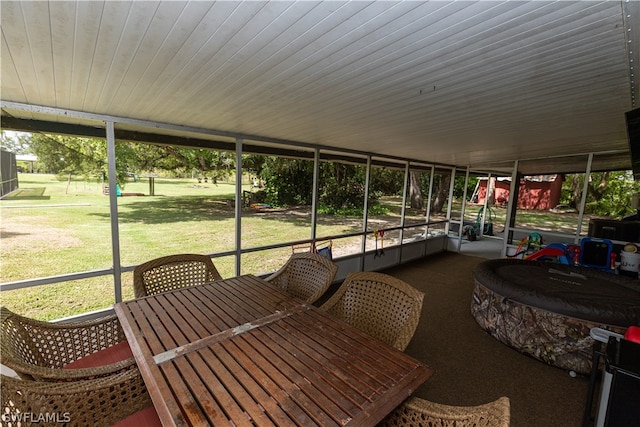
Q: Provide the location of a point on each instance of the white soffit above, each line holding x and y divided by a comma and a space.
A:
460, 83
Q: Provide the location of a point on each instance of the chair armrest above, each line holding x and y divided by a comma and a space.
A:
31, 372
280, 278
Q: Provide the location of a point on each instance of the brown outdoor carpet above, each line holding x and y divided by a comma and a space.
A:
470, 366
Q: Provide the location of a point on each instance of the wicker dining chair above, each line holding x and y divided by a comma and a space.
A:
48, 351
173, 272
378, 304
417, 412
117, 400
305, 275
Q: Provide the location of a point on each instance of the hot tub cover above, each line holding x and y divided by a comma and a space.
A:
573, 291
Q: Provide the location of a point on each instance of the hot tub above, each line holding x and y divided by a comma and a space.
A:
546, 310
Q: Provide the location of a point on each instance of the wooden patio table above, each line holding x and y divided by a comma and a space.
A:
242, 352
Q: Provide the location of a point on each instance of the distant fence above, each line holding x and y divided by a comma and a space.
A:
8, 173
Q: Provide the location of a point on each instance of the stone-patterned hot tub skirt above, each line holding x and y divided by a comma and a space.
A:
546, 310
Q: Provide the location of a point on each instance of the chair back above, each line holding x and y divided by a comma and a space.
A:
39, 350
305, 275
417, 412
97, 402
171, 272
380, 305
15, 343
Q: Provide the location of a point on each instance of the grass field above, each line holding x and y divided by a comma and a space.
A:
51, 227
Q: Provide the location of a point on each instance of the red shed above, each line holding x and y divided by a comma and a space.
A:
540, 192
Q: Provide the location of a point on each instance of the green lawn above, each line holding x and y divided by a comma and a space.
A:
51, 227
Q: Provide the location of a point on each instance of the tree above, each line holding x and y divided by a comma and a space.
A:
459, 186
342, 186
615, 201
88, 157
385, 181
215, 164
597, 191
16, 142
608, 193
287, 181
67, 156
441, 191
150, 158
491, 191
290, 182
416, 196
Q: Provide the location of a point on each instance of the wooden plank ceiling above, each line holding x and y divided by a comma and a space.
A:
477, 84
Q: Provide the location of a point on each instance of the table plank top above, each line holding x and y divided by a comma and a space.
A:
242, 352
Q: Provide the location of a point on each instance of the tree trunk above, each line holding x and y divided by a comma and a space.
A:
575, 191
66, 191
597, 192
417, 199
441, 194
491, 191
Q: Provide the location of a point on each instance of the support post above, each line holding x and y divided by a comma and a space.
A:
238, 211
113, 209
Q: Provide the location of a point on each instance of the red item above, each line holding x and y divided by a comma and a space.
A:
633, 334
115, 353
147, 417
550, 252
